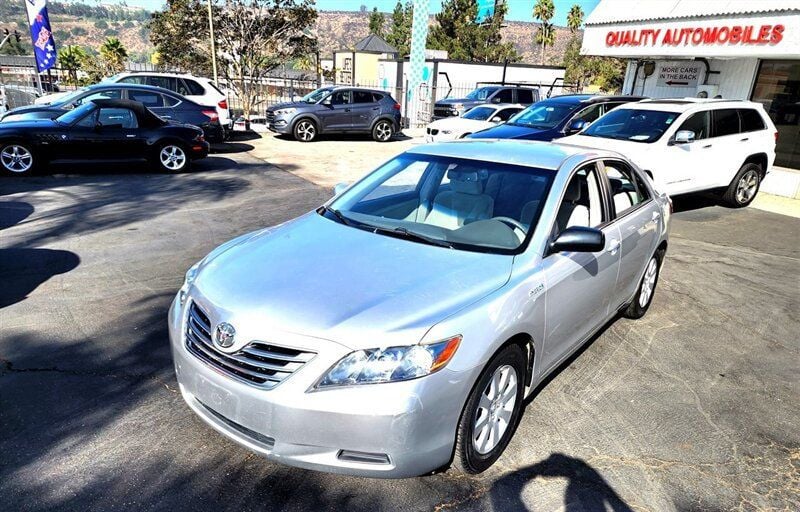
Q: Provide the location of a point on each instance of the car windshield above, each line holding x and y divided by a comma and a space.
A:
446, 201
479, 113
481, 93
315, 96
543, 115
632, 124
75, 114
70, 97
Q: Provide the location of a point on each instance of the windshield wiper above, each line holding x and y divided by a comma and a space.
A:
404, 233
339, 215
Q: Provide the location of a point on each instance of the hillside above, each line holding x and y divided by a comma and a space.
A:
88, 26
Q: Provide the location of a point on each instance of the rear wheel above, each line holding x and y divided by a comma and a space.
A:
744, 187
647, 288
172, 157
305, 130
17, 159
492, 412
382, 131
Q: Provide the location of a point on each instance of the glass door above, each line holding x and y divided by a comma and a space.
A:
777, 87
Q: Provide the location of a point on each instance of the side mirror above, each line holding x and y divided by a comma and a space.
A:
496, 119
579, 239
339, 188
683, 137
576, 126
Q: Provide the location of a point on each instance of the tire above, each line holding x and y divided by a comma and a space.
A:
172, 157
17, 159
647, 288
478, 444
383, 131
305, 130
464, 136
744, 187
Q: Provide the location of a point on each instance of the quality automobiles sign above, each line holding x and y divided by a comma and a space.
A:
698, 36
678, 74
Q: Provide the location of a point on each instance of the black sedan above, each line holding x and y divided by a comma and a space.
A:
162, 102
100, 131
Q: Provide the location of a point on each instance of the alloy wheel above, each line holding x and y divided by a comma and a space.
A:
648, 282
172, 157
746, 188
383, 131
495, 408
305, 131
16, 158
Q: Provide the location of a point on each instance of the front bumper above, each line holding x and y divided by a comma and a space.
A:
281, 125
412, 423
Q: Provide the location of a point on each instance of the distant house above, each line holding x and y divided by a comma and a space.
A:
359, 65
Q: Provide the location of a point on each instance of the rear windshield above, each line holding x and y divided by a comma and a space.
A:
632, 124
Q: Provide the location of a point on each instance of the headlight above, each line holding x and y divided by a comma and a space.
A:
285, 111
187, 282
458, 106
390, 364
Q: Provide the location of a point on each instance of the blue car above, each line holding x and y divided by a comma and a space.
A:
555, 117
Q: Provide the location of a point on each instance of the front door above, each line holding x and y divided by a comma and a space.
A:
578, 285
336, 112
117, 135
687, 163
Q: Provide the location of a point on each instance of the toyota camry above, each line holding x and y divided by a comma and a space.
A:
398, 328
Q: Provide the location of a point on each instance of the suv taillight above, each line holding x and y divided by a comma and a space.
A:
776, 137
223, 104
396, 106
211, 114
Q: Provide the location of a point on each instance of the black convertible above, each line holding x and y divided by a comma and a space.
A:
102, 130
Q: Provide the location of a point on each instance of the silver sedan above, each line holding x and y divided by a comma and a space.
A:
398, 328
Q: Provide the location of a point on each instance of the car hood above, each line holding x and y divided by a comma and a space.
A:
636, 151
49, 99
27, 109
460, 124
321, 279
289, 104
510, 131
27, 124
453, 101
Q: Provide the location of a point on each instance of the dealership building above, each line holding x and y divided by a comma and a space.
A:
733, 49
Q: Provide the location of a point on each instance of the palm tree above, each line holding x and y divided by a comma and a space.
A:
544, 10
114, 54
71, 58
575, 18
304, 63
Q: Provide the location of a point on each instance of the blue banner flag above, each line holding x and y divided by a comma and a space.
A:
44, 47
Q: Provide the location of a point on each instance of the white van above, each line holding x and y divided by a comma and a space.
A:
690, 145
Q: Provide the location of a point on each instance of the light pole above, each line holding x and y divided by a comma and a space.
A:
213, 46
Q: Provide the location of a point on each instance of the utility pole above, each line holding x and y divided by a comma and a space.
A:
213, 45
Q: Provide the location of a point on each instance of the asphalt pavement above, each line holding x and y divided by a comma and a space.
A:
694, 407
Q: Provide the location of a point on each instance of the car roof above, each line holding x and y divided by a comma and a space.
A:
527, 153
114, 85
354, 88
161, 73
689, 104
592, 98
499, 105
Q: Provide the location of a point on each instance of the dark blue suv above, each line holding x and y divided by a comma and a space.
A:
555, 117
337, 110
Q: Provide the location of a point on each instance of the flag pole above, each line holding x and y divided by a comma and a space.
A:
213, 46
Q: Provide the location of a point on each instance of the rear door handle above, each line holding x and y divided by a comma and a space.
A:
744, 139
707, 146
613, 245
376, 108
656, 215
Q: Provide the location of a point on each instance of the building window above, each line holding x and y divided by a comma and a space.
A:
777, 87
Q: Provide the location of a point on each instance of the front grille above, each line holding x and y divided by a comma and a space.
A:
270, 117
433, 131
267, 441
444, 112
258, 363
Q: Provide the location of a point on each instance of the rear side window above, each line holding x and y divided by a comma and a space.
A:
377, 97
167, 82
726, 122
148, 98
751, 120
505, 113
503, 96
524, 96
699, 123
362, 97
170, 101
133, 80
195, 89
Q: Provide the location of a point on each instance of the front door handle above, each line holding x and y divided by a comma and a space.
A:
347, 110
656, 215
376, 108
130, 135
613, 245
744, 139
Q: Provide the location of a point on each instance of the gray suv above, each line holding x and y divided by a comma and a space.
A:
337, 110
451, 107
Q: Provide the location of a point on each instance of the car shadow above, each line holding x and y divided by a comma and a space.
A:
24, 270
690, 202
230, 147
587, 490
239, 136
344, 137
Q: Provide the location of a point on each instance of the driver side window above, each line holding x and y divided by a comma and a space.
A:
699, 123
340, 98
117, 118
581, 204
589, 114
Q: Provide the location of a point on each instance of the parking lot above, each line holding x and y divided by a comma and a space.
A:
694, 407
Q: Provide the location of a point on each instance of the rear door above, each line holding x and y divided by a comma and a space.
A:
364, 109
336, 113
636, 214
728, 149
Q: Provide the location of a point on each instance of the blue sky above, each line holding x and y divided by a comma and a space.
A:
518, 10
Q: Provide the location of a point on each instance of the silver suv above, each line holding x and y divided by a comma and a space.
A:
400, 326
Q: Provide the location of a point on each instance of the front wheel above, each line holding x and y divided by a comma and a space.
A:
744, 187
491, 413
17, 159
382, 131
305, 130
172, 157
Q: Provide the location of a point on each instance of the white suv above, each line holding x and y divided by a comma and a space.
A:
198, 89
688, 145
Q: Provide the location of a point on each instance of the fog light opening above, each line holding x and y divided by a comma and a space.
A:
363, 457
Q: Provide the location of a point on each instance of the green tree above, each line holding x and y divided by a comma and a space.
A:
575, 18
180, 35
71, 58
457, 32
400, 29
544, 10
606, 73
113, 55
376, 22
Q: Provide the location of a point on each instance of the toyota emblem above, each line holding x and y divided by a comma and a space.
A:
224, 334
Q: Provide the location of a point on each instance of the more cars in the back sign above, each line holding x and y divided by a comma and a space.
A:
692, 145
164, 103
400, 327
450, 107
555, 117
338, 110
101, 130
477, 119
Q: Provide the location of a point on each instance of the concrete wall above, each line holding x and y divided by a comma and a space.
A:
735, 80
